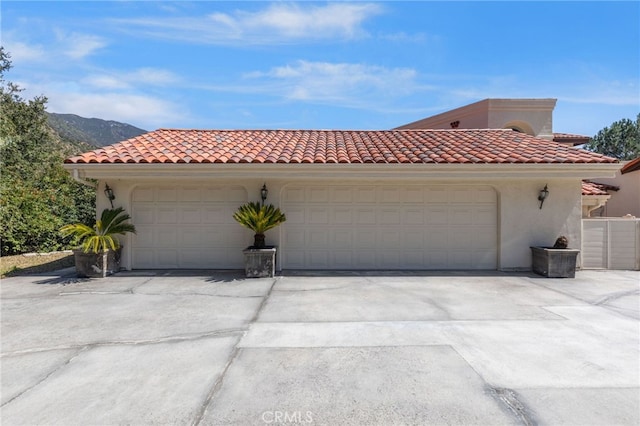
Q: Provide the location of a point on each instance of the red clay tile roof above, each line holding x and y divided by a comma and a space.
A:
631, 166
337, 146
593, 188
570, 138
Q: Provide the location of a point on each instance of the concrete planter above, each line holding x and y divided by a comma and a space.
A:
92, 265
260, 263
554, 263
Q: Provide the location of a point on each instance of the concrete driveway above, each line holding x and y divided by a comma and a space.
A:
212, 348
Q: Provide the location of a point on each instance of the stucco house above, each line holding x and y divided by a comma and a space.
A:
393, 199
622, 191
531, 116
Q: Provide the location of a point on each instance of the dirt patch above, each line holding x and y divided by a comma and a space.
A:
34, 263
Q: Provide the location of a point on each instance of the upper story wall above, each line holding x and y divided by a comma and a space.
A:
531, 116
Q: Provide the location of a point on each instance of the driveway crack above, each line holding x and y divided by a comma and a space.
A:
511, 401
52, 372
613, 296
234, 354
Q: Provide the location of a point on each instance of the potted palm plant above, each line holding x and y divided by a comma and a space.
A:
259, 218
99, 250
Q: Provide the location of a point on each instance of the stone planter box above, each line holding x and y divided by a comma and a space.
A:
91, 265
260, 263
554, 263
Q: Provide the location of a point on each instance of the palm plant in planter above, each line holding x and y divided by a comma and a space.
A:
99, 251
259, 218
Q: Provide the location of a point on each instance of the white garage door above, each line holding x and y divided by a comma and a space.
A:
188, 227
389, 227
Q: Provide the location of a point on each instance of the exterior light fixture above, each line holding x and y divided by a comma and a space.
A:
109, 193
544, 193
264, 192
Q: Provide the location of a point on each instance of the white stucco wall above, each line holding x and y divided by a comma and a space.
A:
524, 224
531, 116
627, 199
521, 223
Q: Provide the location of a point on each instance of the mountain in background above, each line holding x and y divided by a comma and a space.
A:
93, 131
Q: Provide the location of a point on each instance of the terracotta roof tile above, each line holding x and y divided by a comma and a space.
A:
337, 146
593, 188
631, 166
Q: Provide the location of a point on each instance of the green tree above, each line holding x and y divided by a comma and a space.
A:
621, 140
37, 196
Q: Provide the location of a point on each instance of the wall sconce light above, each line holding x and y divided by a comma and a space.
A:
109, 193
544, 193
264, 192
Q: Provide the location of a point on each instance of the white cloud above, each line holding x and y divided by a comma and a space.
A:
334, 19
125, 80
279, 23
22, 52
139, 110
346, 83
77, 45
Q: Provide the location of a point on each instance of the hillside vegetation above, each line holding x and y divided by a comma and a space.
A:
37, 195
93, 131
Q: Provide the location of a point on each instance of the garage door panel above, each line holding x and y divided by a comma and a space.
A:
165, 237
388, 259
437, 259
188, 226
389, 216
413, 240
190, 214
413, 259
168, 258
365, 216
341, 195
413, 195
484, 216
144, 236
143, 194
317, 195
485, 259
437, 195
341, 259
167, 215
437, 237
460, 259
191, 237
365, 259
295, 216
190, 194
389, 195
364, 238
413, 216
317, 239
460, 238
389, 227
294, 237
318, 215
460, 216
389, 239
341, 237
485, 195
364, 194
144, 214
318, 259
341, 216
167, 195
437, 215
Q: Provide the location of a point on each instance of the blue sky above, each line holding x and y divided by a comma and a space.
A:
338, 65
